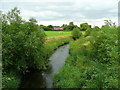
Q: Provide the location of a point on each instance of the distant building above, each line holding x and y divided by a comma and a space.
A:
58, 28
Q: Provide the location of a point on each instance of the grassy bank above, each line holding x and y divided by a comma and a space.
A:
93, 62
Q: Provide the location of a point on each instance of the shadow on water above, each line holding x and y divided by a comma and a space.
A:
36, 79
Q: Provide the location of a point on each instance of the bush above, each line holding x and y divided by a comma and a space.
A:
105, 45
10, 81
23, 44
76, 33
88, 31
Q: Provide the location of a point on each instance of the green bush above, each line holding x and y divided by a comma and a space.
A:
84, 26
88, 31
105, 45
23, 43
10, 81
76, 33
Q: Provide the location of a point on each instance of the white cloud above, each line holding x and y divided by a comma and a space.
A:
113, 11
57, 12
40, 14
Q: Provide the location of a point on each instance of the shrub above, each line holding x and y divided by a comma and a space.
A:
23, 43
10, 81
76, 33
105, 45
88, 31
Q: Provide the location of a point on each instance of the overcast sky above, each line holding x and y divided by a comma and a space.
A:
58, 12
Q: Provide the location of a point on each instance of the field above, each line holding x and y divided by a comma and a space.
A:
59, 33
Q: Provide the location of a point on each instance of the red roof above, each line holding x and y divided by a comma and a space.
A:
58, 28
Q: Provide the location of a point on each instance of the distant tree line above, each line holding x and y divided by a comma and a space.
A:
69, 27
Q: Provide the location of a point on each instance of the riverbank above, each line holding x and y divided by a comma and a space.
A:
37, 79
93, 62
13, 80
50, 48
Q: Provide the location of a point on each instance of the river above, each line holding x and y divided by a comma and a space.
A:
36, 79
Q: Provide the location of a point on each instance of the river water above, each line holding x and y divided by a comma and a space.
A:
36, 79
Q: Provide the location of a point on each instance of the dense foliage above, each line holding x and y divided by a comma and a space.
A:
89, 30
23, 44
84, 26
19, 40
69, 27
93, 61
47, 28
76, 33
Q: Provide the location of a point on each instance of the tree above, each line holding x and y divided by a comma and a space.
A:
76, 33
50, 26
71, 23
96, 28
109, 23
88, 31
13, 16
23, 47
23, 43
64, 25
84, 26
33, 20
70, 27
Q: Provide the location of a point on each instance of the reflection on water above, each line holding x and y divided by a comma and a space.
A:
36, 79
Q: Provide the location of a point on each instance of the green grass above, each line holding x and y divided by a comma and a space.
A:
57, 33
83, 32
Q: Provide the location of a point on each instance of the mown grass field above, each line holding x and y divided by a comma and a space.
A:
59, 33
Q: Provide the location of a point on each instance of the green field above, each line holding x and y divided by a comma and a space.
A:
58, 33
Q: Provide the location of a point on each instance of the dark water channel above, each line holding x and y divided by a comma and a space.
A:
36, 79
